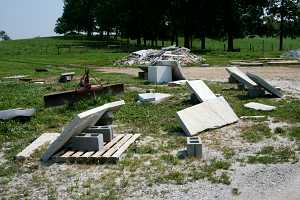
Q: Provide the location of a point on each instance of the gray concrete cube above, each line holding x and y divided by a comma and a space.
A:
194, 147
106, 131
86, 142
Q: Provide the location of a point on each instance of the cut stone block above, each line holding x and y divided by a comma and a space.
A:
264, 84
211, 114
65, 77
241, 77
88, 142
36, 144
106, 131
177, 72
153, 97
201, 90
18, 113
194, 147
78, 124
259, 106
159, 74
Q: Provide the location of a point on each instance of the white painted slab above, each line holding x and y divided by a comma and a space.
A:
78, 124
153, 97
159, 74
36, 144
201, 90
241, 77
264, 84
177, 72
259, 106
210, 114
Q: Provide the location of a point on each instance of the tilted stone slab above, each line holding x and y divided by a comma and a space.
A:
177, 72
36, 144
259, 106
201, 90
241, 77
210, 114
153, 97
264, 84
16, 113
78, 124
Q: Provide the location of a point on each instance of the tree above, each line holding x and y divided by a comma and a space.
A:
4, 36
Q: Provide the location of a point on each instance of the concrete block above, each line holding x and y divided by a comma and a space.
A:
106, 131
177, 72
159, 74
106, 119
254, 92
86, 142
194, 147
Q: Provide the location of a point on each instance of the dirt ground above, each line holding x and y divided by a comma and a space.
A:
287, 78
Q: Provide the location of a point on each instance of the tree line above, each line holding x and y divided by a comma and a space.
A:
167, 20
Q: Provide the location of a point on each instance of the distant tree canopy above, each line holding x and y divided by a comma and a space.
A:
4, 36
144, 20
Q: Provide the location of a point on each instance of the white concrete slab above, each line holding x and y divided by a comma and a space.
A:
36, 144
210, 114
78, 124
159, 74
201, 90
16, 113
177, 83
241, 77
259, 106
177, 72
264, 84
153, 97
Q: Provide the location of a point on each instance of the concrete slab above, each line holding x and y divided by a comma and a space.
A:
159, 74
80, 123
177, 83
264, 84
36, 144
18, 113
259, 106
241, 77
210, 114
201, 90
177, 72
153, 97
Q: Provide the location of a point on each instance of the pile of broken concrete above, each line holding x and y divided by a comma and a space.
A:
150, 56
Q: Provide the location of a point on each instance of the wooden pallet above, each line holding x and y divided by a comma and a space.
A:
112, 151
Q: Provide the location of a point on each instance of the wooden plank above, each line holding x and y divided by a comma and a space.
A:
78, 154
108, 146
88, 154
36, 144
117, 146
125, 146
67, 154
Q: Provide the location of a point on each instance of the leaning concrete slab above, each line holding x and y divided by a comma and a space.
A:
241, 77
259, 106
177, 72
210, 114
264, 84
78, 124
18, 113
153, 97
36, 144
159, 74
201, 90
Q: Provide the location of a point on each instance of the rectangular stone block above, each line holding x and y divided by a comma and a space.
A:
106, 131
194, 147
88, 142
160, 74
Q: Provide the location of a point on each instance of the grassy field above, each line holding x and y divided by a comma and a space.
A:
153, 159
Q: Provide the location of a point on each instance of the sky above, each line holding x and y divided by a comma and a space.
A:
22, 19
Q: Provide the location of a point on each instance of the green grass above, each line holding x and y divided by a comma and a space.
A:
272, 155
256, 132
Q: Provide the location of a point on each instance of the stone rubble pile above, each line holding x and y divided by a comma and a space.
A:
150, 56
292, 54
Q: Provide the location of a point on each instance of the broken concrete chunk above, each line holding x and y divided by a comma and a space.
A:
210, 114
264, 84
159, 74
18, 113
80, 123
177, 72
153, 97
46, 138
177, 83
241, 77
201, 90
194, 147
259, 106
86, 142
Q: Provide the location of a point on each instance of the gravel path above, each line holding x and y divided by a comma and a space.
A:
287, 78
